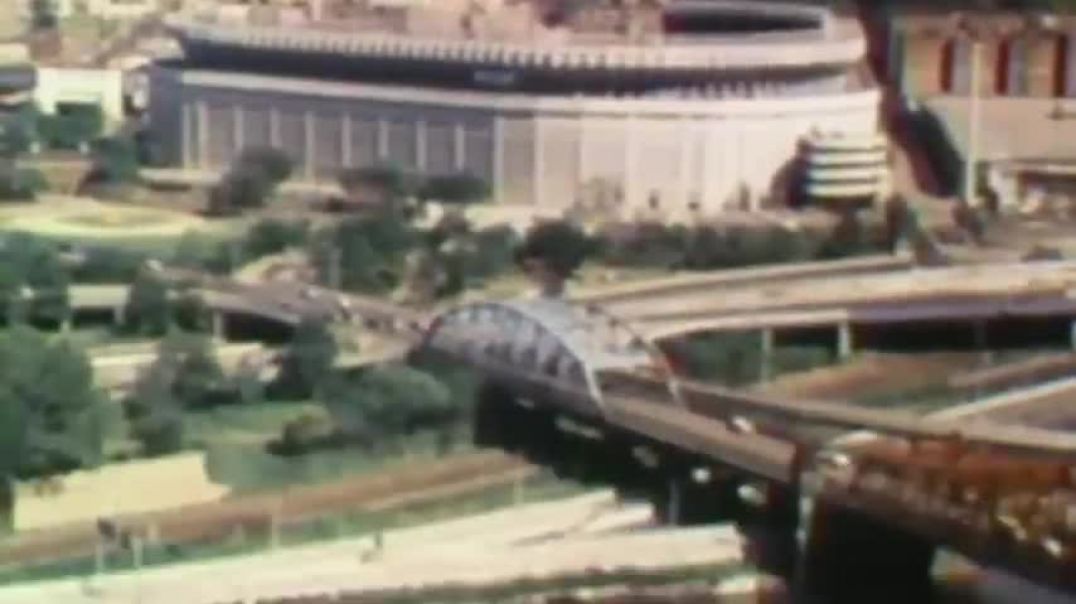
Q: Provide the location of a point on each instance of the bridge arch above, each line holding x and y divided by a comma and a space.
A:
547, 339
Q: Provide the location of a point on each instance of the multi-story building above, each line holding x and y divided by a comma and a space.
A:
1019, 130
695, 108
1022, 54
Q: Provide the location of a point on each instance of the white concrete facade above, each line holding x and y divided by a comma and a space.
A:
646, 154
102, 87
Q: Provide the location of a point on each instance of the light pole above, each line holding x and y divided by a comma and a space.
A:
971, 155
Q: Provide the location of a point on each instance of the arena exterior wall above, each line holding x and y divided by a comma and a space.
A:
673, 155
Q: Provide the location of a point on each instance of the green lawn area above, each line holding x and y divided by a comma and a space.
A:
88, 222
94, 336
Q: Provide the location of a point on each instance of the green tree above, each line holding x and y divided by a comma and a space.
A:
254, 176
20, 184
272, 236
74, 128
553, 251
454, 189
155, 413
148, 310
366, 252
35, 265
53, 415
849, 238
387, 403
17, 131
271, 162
43, 15
308, 361
115, 161
377, 184
185, 375
197, 378
108, 265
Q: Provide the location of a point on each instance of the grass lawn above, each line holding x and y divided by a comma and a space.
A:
85, 221
96, 336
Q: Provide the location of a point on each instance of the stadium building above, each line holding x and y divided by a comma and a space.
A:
678, 107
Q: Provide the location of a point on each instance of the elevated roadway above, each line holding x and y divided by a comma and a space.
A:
1044, 289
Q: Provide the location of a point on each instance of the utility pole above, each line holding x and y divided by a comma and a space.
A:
971, 156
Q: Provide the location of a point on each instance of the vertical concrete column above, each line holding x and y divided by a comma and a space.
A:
765, 360
66, 321
707, 175
497, 186
1072, 334
459, 139
539, 162
219, 325
420, 145
845, 341
119, 315
310, 144
188, 135
346, 154
684, 168
274, 128
382, 138
628, 192
203, 134
582, 169
238, 129
675, 501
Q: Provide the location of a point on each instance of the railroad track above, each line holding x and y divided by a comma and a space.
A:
416, 483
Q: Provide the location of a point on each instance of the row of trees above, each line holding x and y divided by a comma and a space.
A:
72, 129
257, 172
682, 247
31, 266
51, 417
376, 407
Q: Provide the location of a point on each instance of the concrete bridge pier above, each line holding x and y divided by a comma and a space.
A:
765, 372
687, 491
847, 556
119, 316
219, 324
845, 341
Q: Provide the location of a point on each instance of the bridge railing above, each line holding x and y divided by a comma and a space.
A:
1010, 509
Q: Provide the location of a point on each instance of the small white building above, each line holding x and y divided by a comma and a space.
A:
57, 86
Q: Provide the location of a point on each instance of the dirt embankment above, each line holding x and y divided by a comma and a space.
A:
407, 485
